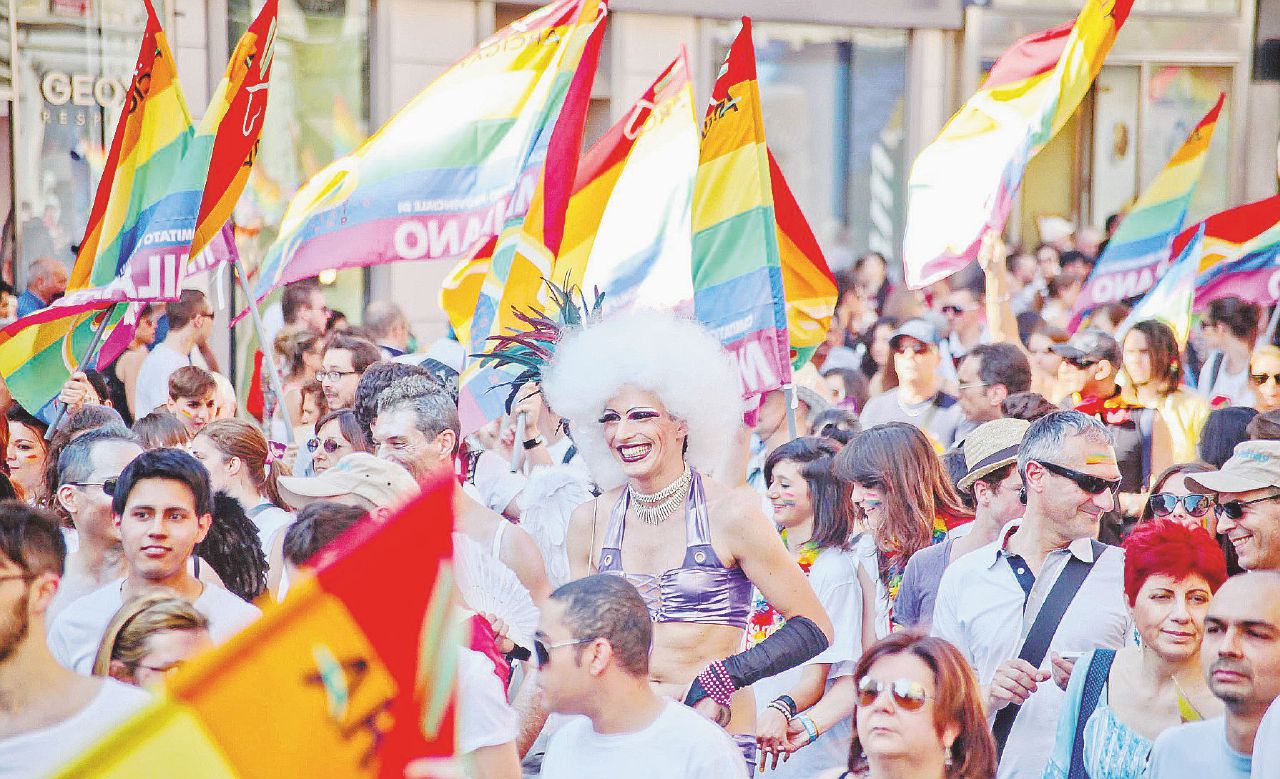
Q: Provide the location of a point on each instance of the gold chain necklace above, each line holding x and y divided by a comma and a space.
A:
655, 508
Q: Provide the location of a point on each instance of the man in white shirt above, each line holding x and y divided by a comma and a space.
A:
162, 503
592, 648
48, 715
1240, 655
87, 468
190, 322
989, 599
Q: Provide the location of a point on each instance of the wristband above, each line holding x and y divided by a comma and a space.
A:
810, 729
533, 443
789, 702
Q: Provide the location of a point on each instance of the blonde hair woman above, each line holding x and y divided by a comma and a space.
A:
149, 637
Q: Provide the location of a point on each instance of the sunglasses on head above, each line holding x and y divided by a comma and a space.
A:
908, 695
330, 445
1162, 504
1094, 485
1262, 378
1234, 509
542, 651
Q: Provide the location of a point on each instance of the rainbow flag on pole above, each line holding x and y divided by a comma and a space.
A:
628, 228
965, 182
1139, 251
737, 273
525, 250
810, 285
336, 681
1241, 253
455, 166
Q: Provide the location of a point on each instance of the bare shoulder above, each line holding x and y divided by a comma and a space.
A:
733, 506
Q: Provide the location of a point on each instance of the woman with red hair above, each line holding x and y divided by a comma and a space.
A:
1118, 701
919, 713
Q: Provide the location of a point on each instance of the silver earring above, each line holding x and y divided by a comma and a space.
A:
950, 761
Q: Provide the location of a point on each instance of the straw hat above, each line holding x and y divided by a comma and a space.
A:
990, 446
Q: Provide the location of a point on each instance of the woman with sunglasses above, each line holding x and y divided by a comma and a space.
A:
338, 434
1172, 499
1170, 574
919, 714
813, 512
149, 637
242, 464
1152, 376
1264, 378
905, 500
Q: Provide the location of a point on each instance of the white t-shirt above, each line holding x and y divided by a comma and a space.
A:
1266, 745
76, 633
484, 717
39, 753
153, 377
679, 743
834, 577
1234, 386
269, 520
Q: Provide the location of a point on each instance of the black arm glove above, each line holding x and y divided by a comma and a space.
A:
797, 641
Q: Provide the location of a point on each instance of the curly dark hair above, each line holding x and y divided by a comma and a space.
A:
233, 550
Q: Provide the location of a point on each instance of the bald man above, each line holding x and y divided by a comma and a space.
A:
47, 282
1240, 655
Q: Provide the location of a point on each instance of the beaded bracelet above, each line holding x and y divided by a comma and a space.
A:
781, 708
715, 680
789, 702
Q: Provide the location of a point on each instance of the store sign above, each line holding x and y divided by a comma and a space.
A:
81, 89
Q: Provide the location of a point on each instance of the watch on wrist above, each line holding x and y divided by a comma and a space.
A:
533, 443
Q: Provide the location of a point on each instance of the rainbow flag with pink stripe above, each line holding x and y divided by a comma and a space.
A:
964, 183
1138, 253
737, 269
453, 168
1240, 255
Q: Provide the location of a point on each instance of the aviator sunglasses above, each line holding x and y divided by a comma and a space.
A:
1162, 504
908, 695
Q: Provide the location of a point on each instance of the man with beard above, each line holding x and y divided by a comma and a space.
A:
47, 713
1241, 658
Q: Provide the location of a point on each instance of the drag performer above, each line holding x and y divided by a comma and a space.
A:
652, 402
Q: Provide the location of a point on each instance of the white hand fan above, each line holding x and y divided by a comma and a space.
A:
487, 586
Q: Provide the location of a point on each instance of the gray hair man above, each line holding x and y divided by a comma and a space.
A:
387, 327
1043, 589
48, 281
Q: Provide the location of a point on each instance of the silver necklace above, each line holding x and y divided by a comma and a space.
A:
654, 508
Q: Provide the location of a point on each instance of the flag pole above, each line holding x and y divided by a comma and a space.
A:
790, 390
94, 345
268, 359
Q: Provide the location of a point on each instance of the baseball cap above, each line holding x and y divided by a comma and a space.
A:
1090, 344
1254, 465
381, 482
919, 329
991, 446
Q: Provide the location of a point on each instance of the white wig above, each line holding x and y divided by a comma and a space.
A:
677, 359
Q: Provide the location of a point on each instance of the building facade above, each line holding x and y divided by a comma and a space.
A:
852, 90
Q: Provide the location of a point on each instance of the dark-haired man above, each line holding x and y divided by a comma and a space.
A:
190, 322
344, 362
47, 714
592, 649
989, 373
162, 503
87, 467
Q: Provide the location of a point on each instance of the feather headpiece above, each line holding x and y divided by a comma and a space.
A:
531, 349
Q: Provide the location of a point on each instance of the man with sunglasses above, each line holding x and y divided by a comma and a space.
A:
1247, 491
919, 367
1091, 362
87, 467
1002, 605
962, 310
592, 649
49, 714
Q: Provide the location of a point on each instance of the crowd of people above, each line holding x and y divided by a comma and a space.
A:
964, 544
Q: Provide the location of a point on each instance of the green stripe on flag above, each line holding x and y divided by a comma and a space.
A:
745, 238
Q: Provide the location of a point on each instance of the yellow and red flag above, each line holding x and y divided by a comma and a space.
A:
351, 676
806, 277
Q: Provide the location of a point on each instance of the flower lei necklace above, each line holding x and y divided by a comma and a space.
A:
764, 619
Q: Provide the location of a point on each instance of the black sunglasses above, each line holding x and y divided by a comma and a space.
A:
1235, 509
542, 651
108, 485
1162, 504
1094, 485
1261, 378
1081, 363
330, 445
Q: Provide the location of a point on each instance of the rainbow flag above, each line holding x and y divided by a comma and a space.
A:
525, 250
965, 182
628, 227
1170, 300
810, 286
737, 272
38, 353
460, 291
333, 679
1241, 253
1136, 255
453, 168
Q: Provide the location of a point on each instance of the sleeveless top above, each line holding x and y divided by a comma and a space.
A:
702, 590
